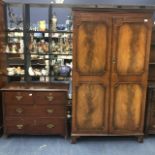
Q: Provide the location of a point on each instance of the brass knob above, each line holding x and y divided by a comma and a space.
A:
50, 98
19, 97
50, 111
1, 73
146, 20
50, 126
19, 110
19, 126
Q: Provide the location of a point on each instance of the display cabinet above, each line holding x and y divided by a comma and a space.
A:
150, 108
36, 68
152, 58
2, 58
38, 47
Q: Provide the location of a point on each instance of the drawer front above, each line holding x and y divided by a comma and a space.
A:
35, 126
152, 116
18, 125
50, 97
51, 126
18, 98
35, 110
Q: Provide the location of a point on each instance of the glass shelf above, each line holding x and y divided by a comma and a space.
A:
13, 54
51, 54
152, 63
8, 31
16, 75
62, 31
48, 31
15, 64
18, 37
32, 31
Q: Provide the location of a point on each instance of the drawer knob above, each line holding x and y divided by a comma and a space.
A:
19, 110
50, 111
50, 98
153, 126
19, 97
50, 126
19, 126
1, 72
145, 20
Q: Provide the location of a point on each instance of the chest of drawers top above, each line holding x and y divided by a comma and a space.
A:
27, 87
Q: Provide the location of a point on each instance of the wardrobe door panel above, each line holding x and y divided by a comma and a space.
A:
130, 57
128, 99
90, 107
91, 48
91, 73
131, 48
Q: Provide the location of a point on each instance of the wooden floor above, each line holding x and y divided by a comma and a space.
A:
49, 145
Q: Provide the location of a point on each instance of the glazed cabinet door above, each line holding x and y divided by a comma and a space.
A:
150, 113
2, 57
130, 56
2, 46
91, 72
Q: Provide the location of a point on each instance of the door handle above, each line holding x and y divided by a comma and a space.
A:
113, 60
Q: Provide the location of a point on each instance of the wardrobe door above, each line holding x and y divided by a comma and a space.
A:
131, 42
91, 72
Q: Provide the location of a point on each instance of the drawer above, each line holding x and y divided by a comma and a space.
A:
18, 98
50, 97
18, 125
41, 126
51, 126
35, 110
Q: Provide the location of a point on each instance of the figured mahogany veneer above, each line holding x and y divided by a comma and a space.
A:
110, 59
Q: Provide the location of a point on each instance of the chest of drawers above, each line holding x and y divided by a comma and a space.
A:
35, 111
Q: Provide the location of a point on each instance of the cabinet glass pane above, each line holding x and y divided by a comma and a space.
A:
15, 56
39, 18
61, 19
61, 44
39, 69
15, 17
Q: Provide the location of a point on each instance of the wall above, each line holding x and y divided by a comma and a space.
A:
139, 2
